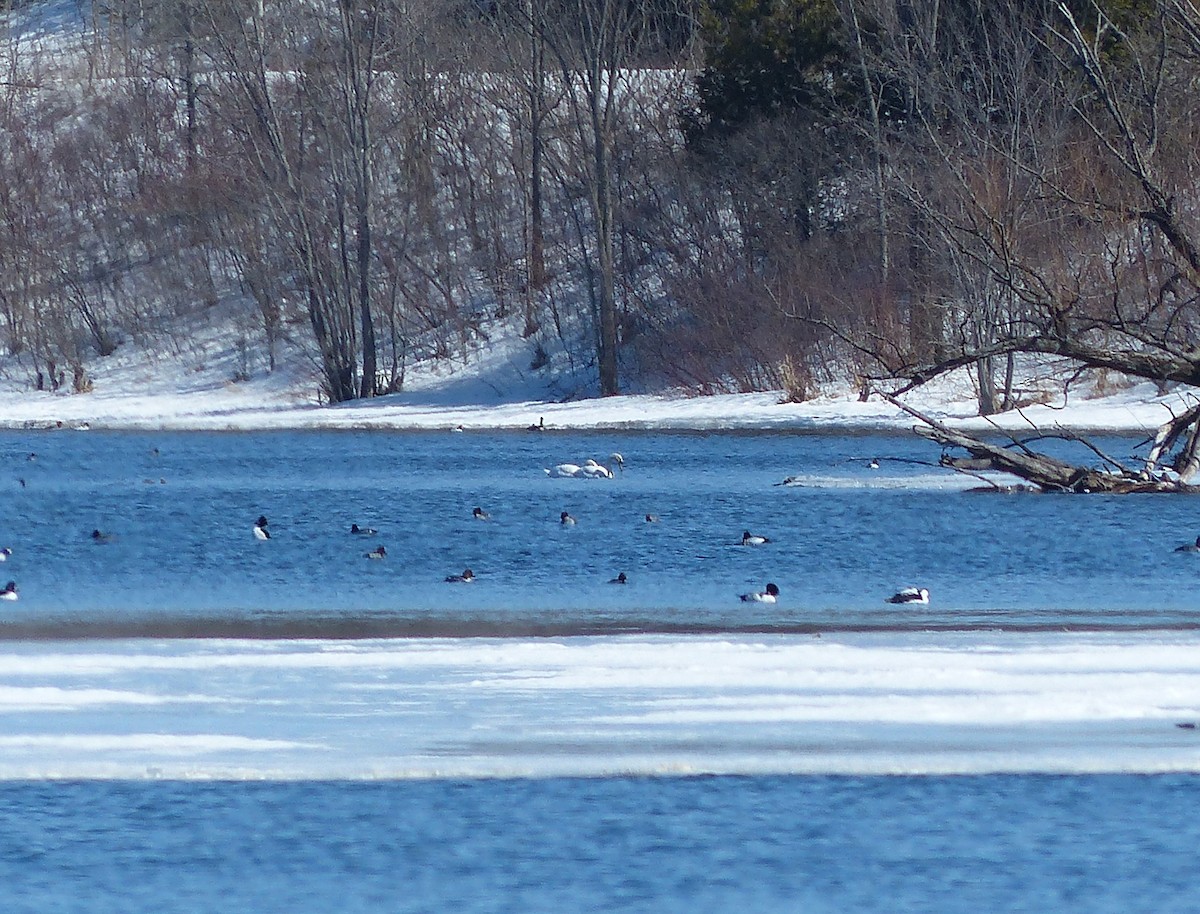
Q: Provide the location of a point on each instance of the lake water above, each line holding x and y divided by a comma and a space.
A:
263, 762
181, 507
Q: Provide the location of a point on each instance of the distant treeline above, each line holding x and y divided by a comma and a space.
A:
738, 194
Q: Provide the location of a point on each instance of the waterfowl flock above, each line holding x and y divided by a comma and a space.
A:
589, 468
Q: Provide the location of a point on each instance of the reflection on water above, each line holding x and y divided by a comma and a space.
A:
183, 558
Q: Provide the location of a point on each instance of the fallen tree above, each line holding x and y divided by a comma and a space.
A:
1046, 207
1050, 474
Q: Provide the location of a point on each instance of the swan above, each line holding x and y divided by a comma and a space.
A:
589, 470
909, 595
767, 595
593, 470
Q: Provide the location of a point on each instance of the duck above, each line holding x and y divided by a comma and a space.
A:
9, 592
1189, 547
652, 518
768, 594
566, 519
480, 514
620, 579
363, 531
540, 426
100, 537
4, 554
377, 553
260, 528
465, 578
753, 539
873, 463
909, 595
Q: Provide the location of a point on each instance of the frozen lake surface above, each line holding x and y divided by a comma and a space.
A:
191, 717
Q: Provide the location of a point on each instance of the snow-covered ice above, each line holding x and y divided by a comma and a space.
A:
868, 704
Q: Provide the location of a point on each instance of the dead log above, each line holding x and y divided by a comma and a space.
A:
1046, 473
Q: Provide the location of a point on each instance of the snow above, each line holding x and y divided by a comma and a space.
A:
932, 703
597, 706
494, 388
928, 703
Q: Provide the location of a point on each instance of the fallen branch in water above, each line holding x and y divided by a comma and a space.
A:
1049, 474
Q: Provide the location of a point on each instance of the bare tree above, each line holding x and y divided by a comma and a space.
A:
597, 45
1056, 168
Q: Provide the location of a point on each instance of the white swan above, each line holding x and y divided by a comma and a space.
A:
593, 470
589, 470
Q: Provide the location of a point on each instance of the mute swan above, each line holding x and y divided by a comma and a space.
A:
589, 470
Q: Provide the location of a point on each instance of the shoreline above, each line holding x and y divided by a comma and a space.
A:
759, 412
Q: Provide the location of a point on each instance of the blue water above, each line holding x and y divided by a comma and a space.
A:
673, 846
181, 507
184, 561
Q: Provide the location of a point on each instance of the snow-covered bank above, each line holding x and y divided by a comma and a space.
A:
272, 404
213, 382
